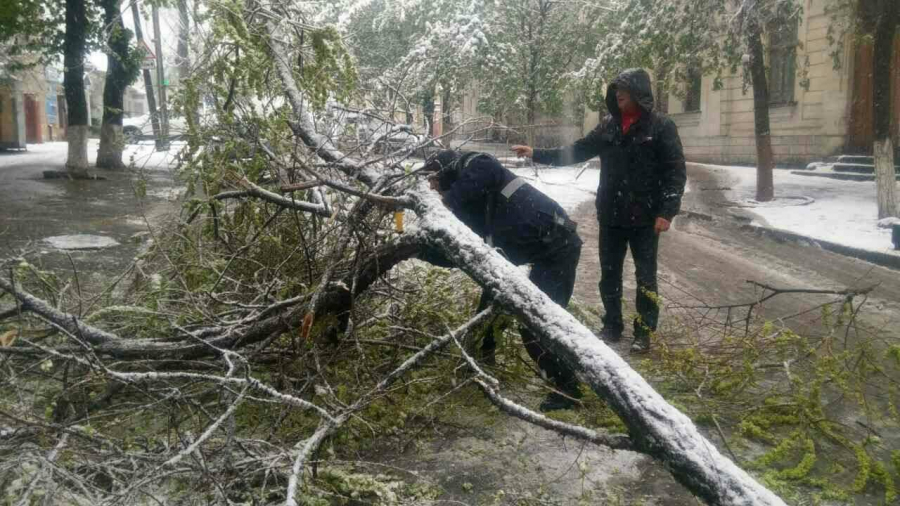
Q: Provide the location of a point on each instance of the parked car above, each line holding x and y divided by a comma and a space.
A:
140, 128
397, 138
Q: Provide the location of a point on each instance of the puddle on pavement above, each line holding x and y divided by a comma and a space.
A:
81, 242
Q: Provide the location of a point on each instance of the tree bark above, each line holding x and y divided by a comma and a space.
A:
765, 163
184, 60
883, 149
117, 79
148, 79
76, 102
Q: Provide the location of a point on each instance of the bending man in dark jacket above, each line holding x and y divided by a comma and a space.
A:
528, 227
642, 180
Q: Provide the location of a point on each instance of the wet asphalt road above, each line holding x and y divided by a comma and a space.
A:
33, 209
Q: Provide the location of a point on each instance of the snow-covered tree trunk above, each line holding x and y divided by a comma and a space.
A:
655, 427
883, 149
76, 102
112, 142
885, 178
765, 185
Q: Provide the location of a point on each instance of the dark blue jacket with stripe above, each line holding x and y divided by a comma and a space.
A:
526, 226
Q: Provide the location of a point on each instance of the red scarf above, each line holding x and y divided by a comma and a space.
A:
629, 118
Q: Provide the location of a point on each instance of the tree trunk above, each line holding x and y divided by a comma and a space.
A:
765, 163
162, 141
148, 79
76, 102
184, 61
883, 149
117, 79
446, 109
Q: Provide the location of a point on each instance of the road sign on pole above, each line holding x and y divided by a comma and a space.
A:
149, 62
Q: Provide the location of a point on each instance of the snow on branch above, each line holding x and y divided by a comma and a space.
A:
511, 408
276, 199
303, 124
309, 446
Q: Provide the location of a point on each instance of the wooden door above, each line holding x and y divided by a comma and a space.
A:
32, 120
62, 116
862, 128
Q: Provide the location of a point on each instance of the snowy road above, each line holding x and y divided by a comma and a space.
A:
709, 262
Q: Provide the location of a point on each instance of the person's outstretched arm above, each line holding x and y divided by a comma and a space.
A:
582, 150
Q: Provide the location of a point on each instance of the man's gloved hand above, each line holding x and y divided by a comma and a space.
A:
434, 183
522, 151
661, 225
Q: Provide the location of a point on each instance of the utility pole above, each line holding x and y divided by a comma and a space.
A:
161, 78
148, 79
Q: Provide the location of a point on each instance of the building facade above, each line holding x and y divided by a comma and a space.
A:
30, 109
816, 111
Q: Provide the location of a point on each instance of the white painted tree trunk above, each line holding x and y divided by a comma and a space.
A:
885, 178
112, 142
77, 161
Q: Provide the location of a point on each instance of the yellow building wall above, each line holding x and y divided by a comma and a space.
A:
7, 127
812, 127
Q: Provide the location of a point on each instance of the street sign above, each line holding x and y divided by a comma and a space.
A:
149, 62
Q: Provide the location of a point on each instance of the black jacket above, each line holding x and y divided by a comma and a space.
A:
526, 226
642, 172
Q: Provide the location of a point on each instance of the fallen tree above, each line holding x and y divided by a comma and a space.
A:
208, 332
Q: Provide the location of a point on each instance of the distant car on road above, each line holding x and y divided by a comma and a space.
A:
140, 128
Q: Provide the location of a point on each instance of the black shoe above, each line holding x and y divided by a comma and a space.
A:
556, 401
641, 345
564, 398
489, 357
610, 335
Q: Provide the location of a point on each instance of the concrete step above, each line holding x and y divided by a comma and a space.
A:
859, 168
856, 159
842, 176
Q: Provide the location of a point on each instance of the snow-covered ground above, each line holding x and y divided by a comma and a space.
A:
55, 153
842, 212
563, 184
144, 155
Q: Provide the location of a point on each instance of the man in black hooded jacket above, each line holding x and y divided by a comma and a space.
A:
527, 227
642, 180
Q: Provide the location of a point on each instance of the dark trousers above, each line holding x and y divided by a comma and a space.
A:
644, 242
554, 274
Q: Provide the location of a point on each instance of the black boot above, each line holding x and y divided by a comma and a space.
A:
563, 398
641, 343
642, 333
611, 335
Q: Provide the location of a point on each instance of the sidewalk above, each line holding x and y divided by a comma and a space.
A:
837, 215
99, 226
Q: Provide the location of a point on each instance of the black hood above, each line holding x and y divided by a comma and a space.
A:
637, 81
445, 165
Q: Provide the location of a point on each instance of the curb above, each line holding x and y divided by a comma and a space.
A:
875, 257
